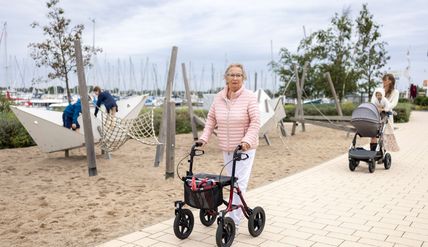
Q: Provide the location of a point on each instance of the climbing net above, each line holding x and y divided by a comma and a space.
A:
115, 131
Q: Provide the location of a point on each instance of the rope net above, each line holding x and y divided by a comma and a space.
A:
115, 131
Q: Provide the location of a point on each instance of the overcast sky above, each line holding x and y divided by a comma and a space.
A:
209, 32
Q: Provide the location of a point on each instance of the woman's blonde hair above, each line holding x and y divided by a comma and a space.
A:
237, 65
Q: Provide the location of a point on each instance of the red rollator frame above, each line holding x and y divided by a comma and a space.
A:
207, 197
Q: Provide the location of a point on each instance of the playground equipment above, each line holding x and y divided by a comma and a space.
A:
339, 122
272, 114
45, 127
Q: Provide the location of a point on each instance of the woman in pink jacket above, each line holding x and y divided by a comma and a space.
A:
236, 115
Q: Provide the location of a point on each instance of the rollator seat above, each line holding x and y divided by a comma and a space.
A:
222, 180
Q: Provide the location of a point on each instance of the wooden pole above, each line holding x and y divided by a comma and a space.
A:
86, 114
297, 112
302, 83
255, 81
168, 92
333, 91
189, 102
170, 141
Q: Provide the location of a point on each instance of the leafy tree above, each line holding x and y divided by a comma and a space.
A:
370, 53
285, 68
331, 49
57, 51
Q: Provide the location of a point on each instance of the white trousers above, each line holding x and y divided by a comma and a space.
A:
242, 172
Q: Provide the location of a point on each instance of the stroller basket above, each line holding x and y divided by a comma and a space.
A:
366, 119
203, 198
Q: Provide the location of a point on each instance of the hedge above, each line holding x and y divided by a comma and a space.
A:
14, 135
12, 132
182, 124
421, 101
403, 110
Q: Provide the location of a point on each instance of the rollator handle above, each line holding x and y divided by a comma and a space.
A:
238, 155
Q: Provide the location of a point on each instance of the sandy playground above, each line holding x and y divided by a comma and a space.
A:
49, 200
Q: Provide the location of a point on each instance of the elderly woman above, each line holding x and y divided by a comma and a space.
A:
391, 94
235, 113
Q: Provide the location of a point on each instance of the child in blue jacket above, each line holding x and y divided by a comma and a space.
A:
105, 98
70, 115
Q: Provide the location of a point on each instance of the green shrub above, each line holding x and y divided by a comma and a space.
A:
421, 100
182, 124
325, 109
4, 104
403, 112
12, 132
403, 100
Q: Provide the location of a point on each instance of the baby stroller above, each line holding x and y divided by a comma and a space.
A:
205, 192
369, 123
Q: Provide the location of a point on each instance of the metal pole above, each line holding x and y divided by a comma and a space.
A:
86, 114
333, 91
189, 102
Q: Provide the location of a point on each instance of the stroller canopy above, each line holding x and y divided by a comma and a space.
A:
366, 119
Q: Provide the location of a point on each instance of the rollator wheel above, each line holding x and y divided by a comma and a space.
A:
225, 232
387, 161
183, 223
207, 216
352, 165
256, 221
372, 166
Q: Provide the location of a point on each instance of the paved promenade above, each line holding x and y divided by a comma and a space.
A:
329, 205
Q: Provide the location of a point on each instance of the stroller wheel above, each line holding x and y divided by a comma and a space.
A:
387, 161
353, 164
372, 166
225, 232
256, 221
183, 223
207, 216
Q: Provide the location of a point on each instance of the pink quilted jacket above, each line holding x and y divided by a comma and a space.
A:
237, 119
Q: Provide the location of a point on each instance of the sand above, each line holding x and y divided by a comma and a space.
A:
49, 200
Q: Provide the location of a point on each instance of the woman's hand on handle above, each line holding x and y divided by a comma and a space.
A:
200, 143
245, 146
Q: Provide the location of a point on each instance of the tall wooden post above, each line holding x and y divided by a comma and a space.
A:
297, 116
333, 91
302, 83
86, 114
170, 141
189, 102
255, 81
168, 92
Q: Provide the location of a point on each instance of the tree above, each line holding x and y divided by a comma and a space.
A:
285, 69
370, 53
57, 51
331, 50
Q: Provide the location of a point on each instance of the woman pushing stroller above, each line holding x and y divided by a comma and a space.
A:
389, 102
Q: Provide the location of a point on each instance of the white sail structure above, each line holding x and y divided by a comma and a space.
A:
45, 127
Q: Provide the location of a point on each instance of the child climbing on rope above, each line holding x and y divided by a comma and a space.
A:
70, 115
105, 98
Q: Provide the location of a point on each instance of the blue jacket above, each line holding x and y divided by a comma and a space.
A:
105, 98
73, 110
